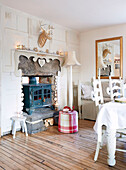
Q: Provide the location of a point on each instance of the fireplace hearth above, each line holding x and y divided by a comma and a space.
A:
35, 122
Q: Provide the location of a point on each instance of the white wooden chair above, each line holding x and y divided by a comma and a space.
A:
116, 88
97, 96
114, 91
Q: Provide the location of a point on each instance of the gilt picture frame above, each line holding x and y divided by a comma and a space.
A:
109, 58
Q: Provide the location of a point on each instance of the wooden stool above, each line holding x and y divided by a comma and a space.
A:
21, 120
68, 122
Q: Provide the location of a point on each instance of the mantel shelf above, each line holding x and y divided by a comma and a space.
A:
40, 53
36, 57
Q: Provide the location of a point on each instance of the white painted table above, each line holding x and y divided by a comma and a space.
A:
113, 116
15, 121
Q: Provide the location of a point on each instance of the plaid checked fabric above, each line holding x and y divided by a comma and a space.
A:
68, 122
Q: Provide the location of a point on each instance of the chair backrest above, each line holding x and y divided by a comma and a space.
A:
116, 88
97, 94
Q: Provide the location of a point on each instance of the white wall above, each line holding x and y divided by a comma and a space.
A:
87, 48
20, 28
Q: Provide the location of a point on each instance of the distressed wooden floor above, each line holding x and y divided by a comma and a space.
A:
54, 150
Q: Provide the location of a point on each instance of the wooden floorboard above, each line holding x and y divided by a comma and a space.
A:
51, 149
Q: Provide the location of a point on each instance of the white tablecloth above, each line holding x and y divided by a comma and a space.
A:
112, 115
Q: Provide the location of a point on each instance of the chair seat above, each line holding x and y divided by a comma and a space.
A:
107, 99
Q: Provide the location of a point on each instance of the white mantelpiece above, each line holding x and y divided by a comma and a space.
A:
36, 55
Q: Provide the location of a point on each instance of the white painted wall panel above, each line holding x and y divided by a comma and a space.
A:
11, 39
59, 33
10, 19
11, 86
34, 25
73, 37
56, 45
22, 23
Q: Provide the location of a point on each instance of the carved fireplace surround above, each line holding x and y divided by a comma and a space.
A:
31, 63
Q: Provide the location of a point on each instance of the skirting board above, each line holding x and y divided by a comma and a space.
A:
9, 132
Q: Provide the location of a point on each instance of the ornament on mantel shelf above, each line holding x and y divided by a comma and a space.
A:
57, 52
47, 50
35, 49
62, 53
21, 47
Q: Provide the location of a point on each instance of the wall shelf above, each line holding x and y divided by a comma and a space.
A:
40, 53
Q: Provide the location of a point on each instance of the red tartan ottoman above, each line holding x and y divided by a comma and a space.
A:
68, 122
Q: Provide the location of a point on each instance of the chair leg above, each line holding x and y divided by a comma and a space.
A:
111, 146
99, 146
103, 137
22, 125
14, 129
25, 127
97, 151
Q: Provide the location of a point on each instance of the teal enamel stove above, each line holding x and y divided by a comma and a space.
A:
36, 95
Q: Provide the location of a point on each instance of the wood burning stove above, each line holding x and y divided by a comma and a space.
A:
36, 96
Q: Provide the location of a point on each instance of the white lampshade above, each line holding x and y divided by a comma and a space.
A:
71, 59
70, 62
